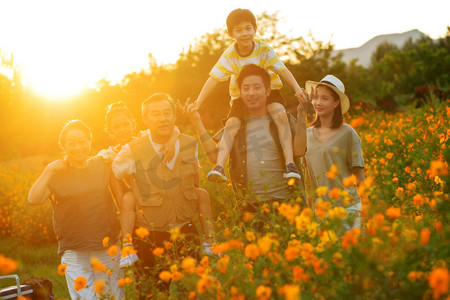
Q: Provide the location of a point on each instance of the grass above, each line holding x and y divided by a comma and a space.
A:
35, 261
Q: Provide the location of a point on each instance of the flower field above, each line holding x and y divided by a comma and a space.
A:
403, 251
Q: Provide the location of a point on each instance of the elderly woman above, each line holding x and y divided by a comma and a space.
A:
84, 212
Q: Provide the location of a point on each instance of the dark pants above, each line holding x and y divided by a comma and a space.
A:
148, 268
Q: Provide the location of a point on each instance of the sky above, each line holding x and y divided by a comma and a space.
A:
85, 41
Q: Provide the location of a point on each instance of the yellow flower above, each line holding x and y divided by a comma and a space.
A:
321, 191
123, 281
264, 244
337, 212
176, 234
250, 236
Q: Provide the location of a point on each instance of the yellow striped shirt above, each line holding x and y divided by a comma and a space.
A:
230, 64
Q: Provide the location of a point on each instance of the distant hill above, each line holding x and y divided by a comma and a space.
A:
364, 53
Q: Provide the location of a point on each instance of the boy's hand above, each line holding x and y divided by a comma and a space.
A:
189, 110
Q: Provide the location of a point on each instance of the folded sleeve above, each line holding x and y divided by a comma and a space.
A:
123, 164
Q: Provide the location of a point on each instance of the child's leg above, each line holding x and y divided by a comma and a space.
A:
226, 143
279, 116
205, 214
127, 214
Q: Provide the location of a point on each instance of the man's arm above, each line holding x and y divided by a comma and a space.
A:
123, 164
208, 87
299, 142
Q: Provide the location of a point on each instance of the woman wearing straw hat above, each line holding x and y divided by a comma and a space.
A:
334, 148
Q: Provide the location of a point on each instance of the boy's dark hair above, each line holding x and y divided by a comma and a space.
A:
337, 120
252, 69
238, 16
156, 97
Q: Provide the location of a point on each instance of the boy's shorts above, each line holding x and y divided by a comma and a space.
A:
238, 107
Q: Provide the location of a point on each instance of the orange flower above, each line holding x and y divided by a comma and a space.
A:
350, 238
62, 269
127, 250
205, 261
123, 281
333, 172
192, 295
393, 212
337, 212
250, 236
288, 211
176, 276
389, 155
105, 241
291, 252
414, 275
113, 250
299, 274
334, 193
189, 265
418, 200
263, 292
165, 276
97, 265
7, 265
425, 236
321, 209
142, 232
80, 283
99, 286
248, 216
220, 248
222, 264
290, 292
264, 244
158, 251
350, 181
251, 251
438, 281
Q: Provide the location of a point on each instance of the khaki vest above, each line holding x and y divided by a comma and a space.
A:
164, 197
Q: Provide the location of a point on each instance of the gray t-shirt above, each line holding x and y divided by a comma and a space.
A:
342, 149
265, 166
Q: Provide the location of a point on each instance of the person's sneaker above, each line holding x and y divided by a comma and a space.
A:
217, 175
292, 172
128, 260
207, 249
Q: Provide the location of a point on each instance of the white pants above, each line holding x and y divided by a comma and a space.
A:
354, 211
79, 264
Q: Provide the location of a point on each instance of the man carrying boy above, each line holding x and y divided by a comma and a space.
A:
256, 162
165, 192
241, 26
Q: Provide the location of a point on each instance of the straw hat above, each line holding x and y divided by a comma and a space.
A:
334, 83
